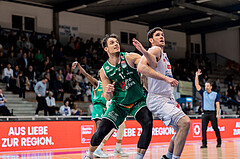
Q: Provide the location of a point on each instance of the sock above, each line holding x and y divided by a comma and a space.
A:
89, 154
169, 154
175, 157
100, 146
139, 156
118, 146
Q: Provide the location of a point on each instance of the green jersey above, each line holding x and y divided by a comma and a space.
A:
97, 95
128, 86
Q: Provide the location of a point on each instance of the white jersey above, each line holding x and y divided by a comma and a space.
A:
160, 86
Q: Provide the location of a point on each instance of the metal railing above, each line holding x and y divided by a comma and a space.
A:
80, 118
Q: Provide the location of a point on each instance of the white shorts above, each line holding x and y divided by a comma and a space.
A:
165, 108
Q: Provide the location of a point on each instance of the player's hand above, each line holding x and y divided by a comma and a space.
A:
218, 117
199, 72
74, 64
139, 46
110, 88
173, 82
39, 95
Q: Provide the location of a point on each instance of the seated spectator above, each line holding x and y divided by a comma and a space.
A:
76, 110
71, 101
183, 107
3, 109
50, 100
7, 74
23, 84
65, 109
58, 88
31, 77
28, 45
60, 73
12, 59
23, 62
77, 91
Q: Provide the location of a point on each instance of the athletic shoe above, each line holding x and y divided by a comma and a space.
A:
164, 157
218, 145
203, 146
120, 153
100, 154
87, 157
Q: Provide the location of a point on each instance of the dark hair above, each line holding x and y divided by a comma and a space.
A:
107, 36
44, 78
65, 101
152, 31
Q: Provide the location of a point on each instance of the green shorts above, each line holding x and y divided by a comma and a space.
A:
98, 111
117, 113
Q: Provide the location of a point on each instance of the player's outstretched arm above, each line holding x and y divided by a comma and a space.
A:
108, 86
149, 72
91, 79
198, 73
151, 59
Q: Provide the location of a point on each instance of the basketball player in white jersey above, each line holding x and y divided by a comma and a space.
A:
160, 99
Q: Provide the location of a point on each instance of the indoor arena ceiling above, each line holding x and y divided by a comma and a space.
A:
190, 16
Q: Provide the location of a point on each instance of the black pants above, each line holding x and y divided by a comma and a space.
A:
4, 111
206, 117
42, 105
22, 91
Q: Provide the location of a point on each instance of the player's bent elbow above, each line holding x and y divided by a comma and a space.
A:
140, 68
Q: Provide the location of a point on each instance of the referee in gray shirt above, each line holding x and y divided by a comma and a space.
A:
211, 110
40, 90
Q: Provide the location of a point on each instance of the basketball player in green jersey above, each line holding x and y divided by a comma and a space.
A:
122, 83
99, 108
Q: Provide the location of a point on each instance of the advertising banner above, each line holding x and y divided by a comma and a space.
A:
36, 135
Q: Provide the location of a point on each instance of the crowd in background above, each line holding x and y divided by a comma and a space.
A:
26, 58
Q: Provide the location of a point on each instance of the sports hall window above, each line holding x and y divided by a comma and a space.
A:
126, 38
23, 22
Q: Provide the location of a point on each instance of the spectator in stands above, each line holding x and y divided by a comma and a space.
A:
50, 100
4, 40
77, 91
2, 61
20, 54
38, 57
81, 80
58, 89
71, 100
23, 84
231, 94
31, 60
76, 110
31, 74
183, 107
65, 109
40, 90
53, 40
237, 98
7, 74
68, 81
238, 112
60, 73
19, 43
12, 38
3, 109
60, 57
23, 62
12, 59
53, 75
27, 44
229, 80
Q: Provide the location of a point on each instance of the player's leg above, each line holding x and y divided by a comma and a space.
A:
183, 125
144, 117
99, 151
118, 150
104, 128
